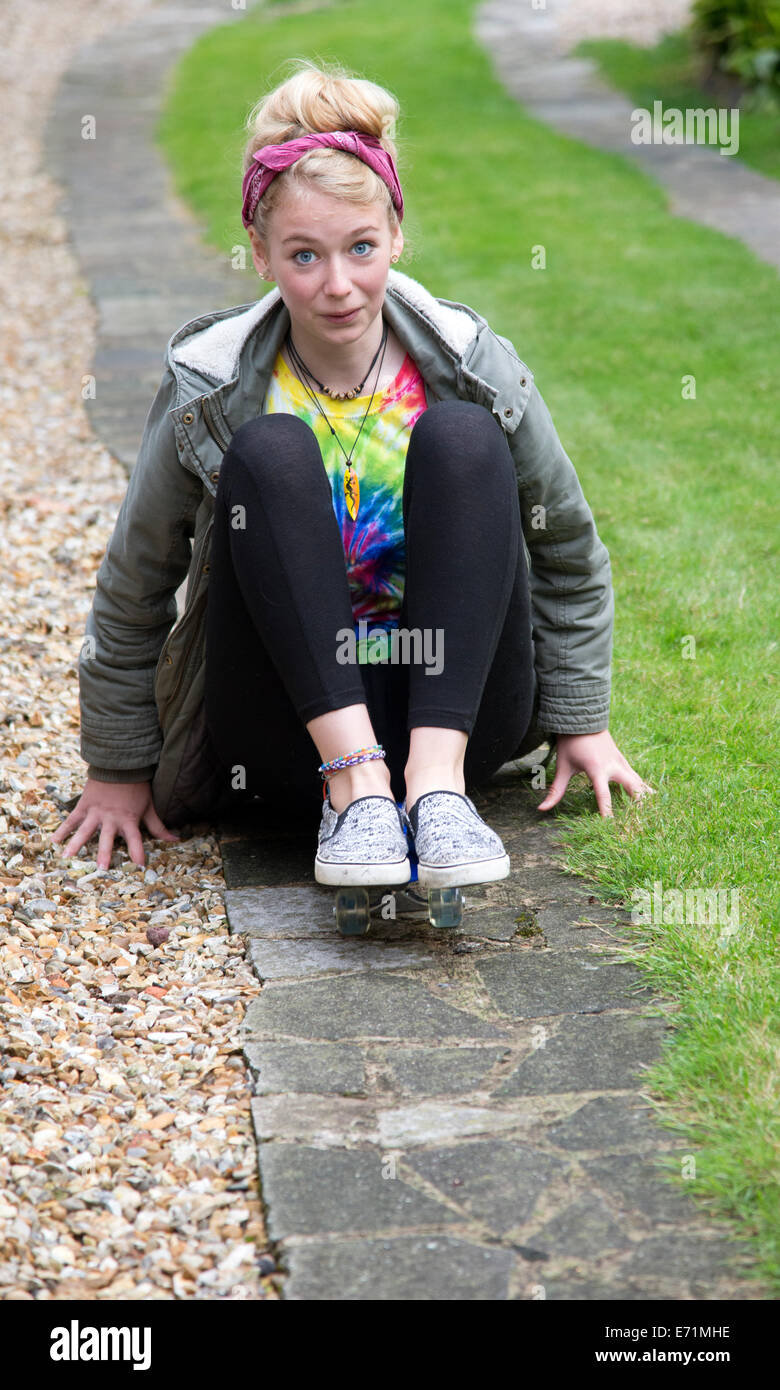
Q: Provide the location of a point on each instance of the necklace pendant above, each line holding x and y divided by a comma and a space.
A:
351, 491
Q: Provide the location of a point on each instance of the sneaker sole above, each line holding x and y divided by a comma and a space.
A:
355, 875
461, 875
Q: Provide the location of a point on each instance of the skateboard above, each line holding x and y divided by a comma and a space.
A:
354, 905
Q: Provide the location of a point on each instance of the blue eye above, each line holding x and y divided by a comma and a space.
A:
303, 253
369, 244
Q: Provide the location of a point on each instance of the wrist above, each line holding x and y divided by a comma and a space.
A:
582, 733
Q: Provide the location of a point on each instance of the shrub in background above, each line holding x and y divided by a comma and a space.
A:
742, 38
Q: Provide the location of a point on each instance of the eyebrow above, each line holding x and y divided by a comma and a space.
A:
306, 236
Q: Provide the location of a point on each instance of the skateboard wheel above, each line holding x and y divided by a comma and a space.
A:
352, 911
445, 907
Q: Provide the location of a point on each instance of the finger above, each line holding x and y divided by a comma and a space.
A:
603, 798
85, 832
560, 782
106, 843
134, 842
632, 783
70, 823
155, 826
641, 789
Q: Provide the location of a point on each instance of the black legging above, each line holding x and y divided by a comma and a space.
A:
278, 596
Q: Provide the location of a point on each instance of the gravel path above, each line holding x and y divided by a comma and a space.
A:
127, 1158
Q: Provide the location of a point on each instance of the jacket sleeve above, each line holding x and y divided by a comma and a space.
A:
134, 605
570, 580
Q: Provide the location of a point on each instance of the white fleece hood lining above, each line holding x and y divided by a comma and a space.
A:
216, 350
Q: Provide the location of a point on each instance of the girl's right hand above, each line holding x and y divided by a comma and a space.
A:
113, 808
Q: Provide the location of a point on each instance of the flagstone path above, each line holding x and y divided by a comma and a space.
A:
566, 93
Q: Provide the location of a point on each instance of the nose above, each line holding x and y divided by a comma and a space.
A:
337, 281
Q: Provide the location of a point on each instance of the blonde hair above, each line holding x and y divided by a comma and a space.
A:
316, 99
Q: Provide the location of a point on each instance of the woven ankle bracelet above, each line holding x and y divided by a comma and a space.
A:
360, 755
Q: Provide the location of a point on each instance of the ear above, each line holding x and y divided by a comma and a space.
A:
259, 255
397, 242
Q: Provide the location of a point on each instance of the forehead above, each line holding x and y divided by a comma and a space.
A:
310, 212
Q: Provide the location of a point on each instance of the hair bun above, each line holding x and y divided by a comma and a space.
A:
311, 101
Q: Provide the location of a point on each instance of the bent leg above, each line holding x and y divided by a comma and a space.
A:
467, 592
278, 600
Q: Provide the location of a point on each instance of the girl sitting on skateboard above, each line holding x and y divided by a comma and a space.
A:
389, 556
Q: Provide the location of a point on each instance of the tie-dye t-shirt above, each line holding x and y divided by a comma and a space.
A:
374, 542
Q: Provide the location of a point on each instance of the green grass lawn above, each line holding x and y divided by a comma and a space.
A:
632, 302
670, 72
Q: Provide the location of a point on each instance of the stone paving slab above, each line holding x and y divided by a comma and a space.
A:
309, 1191
600, 1053
275, 960
285, 1067
431, 1121
422, 1268
303, 911
380, 1005
609, 1123
638, 1184
443, 1070
495, 1182
328, 1121
584, 1226
541, 985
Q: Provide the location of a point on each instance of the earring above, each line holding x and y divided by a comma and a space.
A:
394, 259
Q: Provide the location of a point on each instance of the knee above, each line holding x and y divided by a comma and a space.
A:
256, 435
463, 436
261, 445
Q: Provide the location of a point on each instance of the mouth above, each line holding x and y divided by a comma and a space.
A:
342, 318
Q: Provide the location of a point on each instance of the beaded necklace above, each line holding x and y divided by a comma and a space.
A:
351, 481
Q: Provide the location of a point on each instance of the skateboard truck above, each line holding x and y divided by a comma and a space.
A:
353, 907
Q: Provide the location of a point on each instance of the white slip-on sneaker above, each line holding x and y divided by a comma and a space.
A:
363, 844
454, 845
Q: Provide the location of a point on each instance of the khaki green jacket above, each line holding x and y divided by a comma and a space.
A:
141, 672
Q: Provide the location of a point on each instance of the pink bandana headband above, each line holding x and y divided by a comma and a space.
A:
271, 159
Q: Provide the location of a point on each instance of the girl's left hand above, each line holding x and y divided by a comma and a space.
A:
599, 756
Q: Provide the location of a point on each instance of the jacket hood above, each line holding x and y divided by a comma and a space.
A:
211, 345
